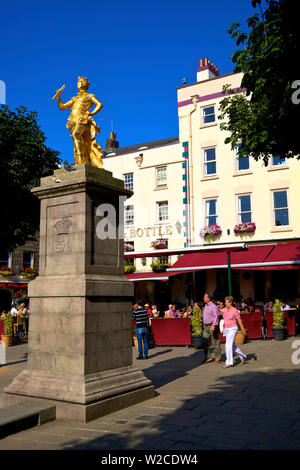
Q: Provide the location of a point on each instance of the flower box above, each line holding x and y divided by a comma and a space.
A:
246, 227
6, 271
159, 245
28, 273
128, 247
211, 231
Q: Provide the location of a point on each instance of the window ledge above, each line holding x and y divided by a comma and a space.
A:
285, 228
208, 178
243, 172
278, 167
203, 126
159, 188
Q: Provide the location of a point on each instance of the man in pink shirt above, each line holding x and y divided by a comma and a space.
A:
211, 329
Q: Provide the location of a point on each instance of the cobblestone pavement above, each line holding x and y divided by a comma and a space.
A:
254, 406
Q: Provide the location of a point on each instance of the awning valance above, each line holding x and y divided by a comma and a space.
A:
254, 256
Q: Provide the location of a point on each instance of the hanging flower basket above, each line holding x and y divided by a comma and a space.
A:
159, 245
128, 247
247, 227
22, 293
211, 231
6, 271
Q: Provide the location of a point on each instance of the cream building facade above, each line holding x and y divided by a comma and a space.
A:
183, 184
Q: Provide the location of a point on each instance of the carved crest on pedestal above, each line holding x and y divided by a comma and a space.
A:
63, 239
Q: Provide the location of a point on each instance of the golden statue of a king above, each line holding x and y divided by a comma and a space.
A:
81, 124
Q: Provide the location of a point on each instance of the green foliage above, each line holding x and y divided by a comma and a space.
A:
24, 159
128, 268
263, 118
278, 315
197, 321
8, 324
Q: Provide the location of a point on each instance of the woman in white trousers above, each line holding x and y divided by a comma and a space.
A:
231, 316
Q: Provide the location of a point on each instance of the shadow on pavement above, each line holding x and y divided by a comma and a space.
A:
244, 410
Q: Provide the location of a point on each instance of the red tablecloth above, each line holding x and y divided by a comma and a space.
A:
1, 327
171, 331
290, 323
252, 323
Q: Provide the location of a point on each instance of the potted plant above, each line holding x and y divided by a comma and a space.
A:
196, 320
7, 335
129, 268
278, 328
28, 273
6, 271
158, 267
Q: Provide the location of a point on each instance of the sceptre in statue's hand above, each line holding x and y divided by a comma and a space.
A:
81, 124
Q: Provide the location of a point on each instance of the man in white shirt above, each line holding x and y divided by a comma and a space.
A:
14, 311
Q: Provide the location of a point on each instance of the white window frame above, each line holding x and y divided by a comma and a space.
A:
239, 211
212, 114
240, 159
206, 206
31, 259
159, 205
280, 164
129, 221
278, 227
9, 260
129, 185
206, 162
158, 184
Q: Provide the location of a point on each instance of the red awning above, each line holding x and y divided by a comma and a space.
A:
254, 256
284, 256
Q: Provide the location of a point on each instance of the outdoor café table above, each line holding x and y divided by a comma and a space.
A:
289, 316
252, 323
171, 331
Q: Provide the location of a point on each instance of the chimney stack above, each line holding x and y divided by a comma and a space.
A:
111, 143
206, 70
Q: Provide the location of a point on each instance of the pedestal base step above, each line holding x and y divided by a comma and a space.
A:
23, 415
84, 413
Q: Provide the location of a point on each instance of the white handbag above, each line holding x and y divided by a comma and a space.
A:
221, 325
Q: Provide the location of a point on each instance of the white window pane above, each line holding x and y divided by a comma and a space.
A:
280, 199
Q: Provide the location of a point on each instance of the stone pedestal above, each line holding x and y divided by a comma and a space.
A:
80, 327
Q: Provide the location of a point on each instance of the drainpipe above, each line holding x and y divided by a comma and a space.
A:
191, 173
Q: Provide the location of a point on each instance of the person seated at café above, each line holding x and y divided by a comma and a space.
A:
268, 307
149, 310
188, 312
3, 314
250, 304
168, 312
182, 312
173, 312
155, 312
244, 306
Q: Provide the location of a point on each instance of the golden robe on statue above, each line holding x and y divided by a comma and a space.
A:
82, 126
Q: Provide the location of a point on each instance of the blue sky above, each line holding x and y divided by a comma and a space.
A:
134, 53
